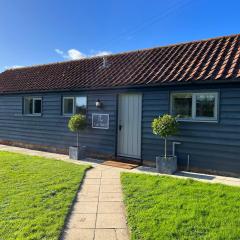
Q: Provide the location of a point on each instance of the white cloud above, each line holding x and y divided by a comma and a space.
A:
60, 52
74, 54
101, 53
13, 67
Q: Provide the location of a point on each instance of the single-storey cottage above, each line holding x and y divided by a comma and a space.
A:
122, 93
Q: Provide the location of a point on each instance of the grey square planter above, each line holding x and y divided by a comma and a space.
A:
77, 153
166, 164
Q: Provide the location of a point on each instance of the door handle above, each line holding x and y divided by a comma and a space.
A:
120, 127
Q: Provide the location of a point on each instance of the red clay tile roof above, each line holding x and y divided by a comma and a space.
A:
211, 60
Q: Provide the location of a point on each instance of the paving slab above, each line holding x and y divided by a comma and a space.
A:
86, 196
86, 207
79, 234
110, 207
110, 188
90, 188
111, 174
93, 174
105, 234
92, 181
110, 197
82, 220
110, 181
111, 220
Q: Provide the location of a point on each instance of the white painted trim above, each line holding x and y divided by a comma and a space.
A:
33, 114
194, 118
200, 121
74, 104
63, 112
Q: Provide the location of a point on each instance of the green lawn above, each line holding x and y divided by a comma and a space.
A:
35, 195
160, 207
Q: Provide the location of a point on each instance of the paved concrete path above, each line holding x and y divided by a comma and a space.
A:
98, 213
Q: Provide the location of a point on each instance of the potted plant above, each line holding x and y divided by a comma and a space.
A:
165, 126
76, 124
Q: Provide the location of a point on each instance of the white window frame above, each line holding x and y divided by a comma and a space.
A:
194, 118
74, 104
33, 106
73, 109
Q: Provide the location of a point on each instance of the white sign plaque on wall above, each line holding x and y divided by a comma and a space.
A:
100, 120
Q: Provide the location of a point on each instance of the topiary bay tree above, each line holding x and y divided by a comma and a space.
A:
165, 126
77, 123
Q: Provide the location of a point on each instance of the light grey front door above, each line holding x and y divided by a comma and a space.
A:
129, 125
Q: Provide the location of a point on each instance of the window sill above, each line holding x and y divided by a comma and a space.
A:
70, 115
32, 115
197, 121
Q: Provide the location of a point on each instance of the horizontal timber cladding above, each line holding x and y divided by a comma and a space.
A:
210, 146
51, 129
214, 147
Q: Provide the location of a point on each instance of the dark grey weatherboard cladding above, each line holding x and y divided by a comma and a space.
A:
50, 129
154, 104
211, 146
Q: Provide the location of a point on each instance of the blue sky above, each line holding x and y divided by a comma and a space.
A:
36, 32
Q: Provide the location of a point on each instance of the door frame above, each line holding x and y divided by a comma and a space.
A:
117, 125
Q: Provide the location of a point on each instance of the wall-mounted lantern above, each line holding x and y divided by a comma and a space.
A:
98, 104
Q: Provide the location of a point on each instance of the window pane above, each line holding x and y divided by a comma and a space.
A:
182, 105
68, 106
205, 104
28, 105
37, 106
81, 105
